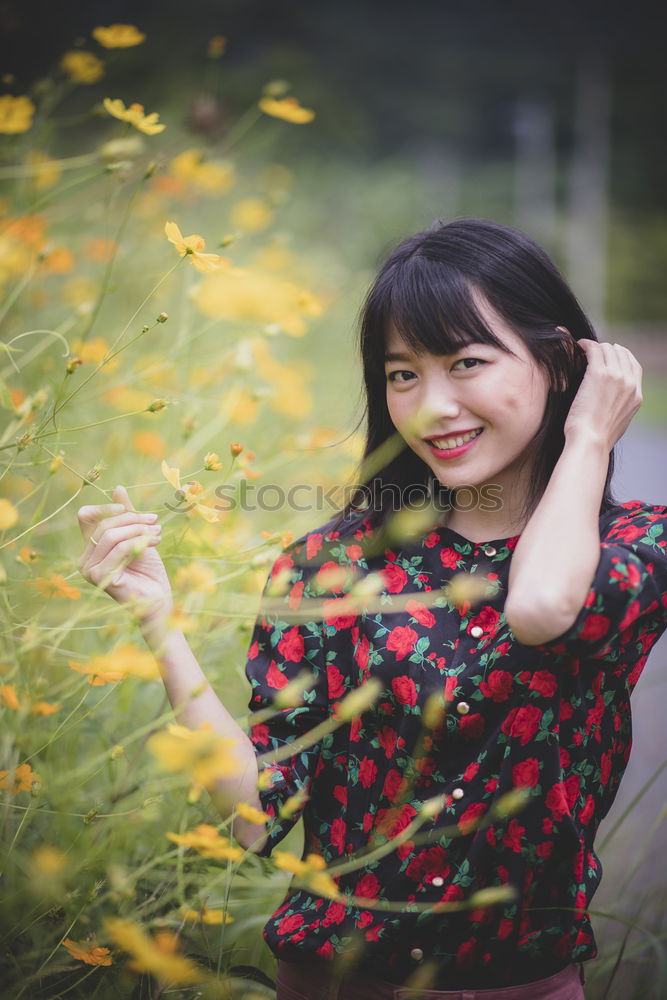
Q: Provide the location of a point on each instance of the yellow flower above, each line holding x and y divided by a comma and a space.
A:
44, 708
187, 493
118, 36
124, 660
22, 779
91, 954
134, 115
255, 296
191, 246
8, 514
251, 214
251, 814
206, 916
55, 586
212, 462
48, 860
287, 108
16, 114
206, 840
155, 954
200, 753
82, 67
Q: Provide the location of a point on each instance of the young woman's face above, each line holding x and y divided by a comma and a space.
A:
471, 416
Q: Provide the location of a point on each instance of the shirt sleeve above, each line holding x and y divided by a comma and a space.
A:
625, 610
283, 646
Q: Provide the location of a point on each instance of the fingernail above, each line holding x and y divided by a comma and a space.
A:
151, 517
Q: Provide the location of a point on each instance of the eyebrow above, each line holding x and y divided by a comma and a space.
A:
397, 356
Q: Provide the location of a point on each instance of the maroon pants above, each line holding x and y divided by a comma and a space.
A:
295, 981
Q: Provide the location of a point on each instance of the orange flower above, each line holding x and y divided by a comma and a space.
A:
22, 779
44, 708
134, 115
55, 586
9, 697
88, 953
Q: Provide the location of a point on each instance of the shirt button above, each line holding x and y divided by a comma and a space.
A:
463, 708
458, 793
489, 550
438, 881
417, 954
477, 631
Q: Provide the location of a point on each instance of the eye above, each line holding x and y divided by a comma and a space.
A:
394, 376
468, 363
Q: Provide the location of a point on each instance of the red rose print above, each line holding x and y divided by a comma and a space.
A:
595, 627
526, 722
449, 558
327, 577
387, 740
401, 640
281, 563
497, 686
335, 914
313, 545
513, 834
333, 618
260, 733
545, 682
367, 887
338, 834
361, 653
526, 773
421, 613
404, 690
335, 682
431, 539
354, 552
631, 615
295, 595
471, 770
487, 619
253, 651
340, 794
367, 772
290, 924
468, 820
395, 578
326, 950
393, 783
472, 726
274, 677
365, 918
291, 645
586, 813
557, 802
505, 928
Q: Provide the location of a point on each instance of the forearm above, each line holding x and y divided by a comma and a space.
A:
555, 560
195, 703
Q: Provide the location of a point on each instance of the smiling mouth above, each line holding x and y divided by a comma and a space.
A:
454, 441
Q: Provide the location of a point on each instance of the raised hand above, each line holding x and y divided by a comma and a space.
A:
609, 395
121, 555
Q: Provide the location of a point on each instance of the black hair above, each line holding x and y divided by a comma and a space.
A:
426, 288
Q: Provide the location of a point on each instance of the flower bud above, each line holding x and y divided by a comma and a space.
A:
156, 406
162, 317
73, 364
432, 807
235, 448
212, 462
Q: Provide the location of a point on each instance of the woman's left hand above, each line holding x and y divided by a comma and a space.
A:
609, 395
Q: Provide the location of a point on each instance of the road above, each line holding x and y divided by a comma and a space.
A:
633, 861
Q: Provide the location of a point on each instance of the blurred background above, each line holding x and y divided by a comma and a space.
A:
547, 117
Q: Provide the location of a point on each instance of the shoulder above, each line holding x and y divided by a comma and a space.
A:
339, 540
635, 521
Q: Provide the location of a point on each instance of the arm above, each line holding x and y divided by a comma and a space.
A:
556, 557
195, 702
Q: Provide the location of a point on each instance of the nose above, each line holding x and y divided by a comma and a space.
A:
439, 404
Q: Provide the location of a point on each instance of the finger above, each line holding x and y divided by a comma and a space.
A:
121, 495
128, 517
96, 554
89, 516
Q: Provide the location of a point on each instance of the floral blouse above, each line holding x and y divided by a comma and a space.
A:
553, 720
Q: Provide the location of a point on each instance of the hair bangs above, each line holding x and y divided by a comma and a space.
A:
434, 309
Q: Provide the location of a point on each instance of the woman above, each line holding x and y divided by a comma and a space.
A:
507, 410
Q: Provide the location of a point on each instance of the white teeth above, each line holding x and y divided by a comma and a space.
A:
455, 442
